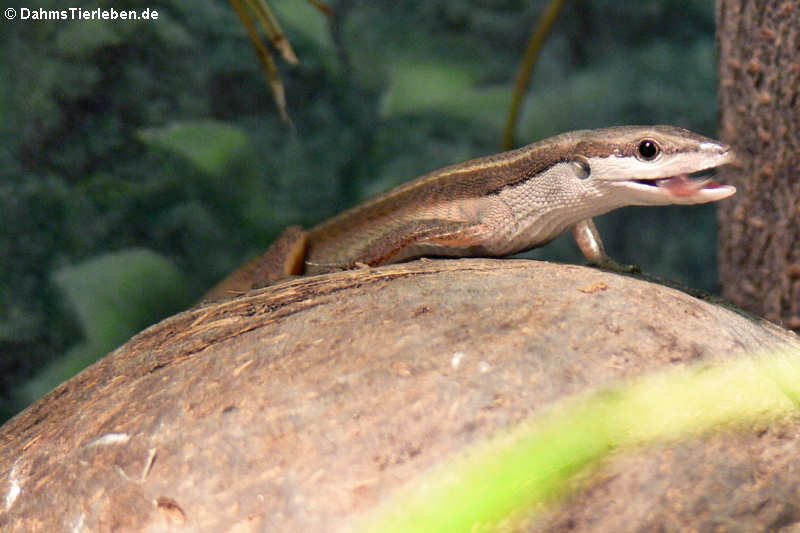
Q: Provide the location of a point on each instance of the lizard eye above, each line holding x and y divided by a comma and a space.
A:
648, 150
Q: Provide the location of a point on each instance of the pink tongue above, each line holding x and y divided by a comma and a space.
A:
683, 185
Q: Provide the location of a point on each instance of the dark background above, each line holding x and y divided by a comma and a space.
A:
142, 161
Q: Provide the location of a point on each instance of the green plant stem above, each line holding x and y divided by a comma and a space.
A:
538, 36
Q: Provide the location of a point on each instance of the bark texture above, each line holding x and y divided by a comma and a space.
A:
300, 406
759, 72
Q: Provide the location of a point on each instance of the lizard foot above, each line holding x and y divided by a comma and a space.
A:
613, 266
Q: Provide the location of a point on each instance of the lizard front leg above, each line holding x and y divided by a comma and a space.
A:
589, 241
591, 245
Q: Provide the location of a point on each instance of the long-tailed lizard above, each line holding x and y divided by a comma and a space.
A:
502, 204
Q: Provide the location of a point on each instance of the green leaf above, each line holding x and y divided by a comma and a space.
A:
114, 296
207, 144
422, 87
306, 19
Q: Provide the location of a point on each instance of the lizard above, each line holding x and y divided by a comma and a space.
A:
501, 204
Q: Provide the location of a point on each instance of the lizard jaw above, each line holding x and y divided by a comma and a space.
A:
669, 179
682, 188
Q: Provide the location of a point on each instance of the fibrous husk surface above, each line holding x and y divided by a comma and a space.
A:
301, 406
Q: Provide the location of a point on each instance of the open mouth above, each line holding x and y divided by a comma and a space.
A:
685, 184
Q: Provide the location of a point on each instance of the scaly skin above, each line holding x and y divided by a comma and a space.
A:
502, 204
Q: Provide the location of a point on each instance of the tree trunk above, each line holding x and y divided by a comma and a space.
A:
758, 45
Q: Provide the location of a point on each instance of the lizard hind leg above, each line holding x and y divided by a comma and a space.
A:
282, 259
420, 238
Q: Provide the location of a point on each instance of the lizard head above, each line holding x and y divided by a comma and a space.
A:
654, 165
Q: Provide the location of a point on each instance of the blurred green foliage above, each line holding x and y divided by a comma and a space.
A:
106, 294
209, 146
117, 137
502, 483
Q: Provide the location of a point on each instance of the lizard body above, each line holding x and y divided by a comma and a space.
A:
505, 203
